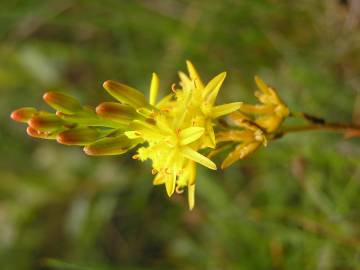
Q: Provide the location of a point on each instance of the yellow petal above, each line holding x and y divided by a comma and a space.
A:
257, 109
211, 135
262, 85
165, 101
145, 130
194, 75
185, 81
241, 151
159, 179
191, 134
224, 109
154, 89
235, 136
170, 182
192, 173
212, 88
125, 94
197, 157
269, 123
191, 196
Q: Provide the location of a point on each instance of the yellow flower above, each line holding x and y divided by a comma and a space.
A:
175, 128
252, 124
248, 138
171, 131
271, 112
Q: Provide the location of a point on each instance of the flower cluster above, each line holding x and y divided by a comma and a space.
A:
171, 131
253, 123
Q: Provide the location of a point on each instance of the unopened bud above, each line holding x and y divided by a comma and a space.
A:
110, 146
62, 102
45, 122
117, 112
79, 136
23, 115
125, 94
40, 135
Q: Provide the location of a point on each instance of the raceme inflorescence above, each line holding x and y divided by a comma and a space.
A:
176, 133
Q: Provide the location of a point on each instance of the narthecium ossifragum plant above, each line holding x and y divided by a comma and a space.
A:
172, 132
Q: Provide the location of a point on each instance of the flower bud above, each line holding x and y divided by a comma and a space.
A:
45, 122
241, 151
62, 102
79, 136
117, 112
110, 146
23, 115
40, 135
125, 94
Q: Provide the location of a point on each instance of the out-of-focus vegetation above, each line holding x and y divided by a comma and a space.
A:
292, 205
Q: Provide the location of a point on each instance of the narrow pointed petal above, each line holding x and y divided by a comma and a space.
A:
45, 122
194, 75
62, 102
191, 134
241, 151
269, 123
192, 173
23, 115
222, 110
110, 146
191, 196
125, 94
116, 112
159, 180
262, 85
154, 89
238, 118
145, 112
197, 157
185, 81
79, 136
139, 128
170, 182
210, 135
212, 88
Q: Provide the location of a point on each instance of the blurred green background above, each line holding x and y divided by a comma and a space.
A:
292, 205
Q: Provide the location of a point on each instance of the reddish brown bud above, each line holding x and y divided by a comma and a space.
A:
45, 122
62, 102
23, 115
40, 135
79, 136
117, 112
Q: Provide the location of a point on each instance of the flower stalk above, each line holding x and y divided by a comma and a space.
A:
173, 132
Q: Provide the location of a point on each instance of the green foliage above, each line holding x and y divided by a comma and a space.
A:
292, 205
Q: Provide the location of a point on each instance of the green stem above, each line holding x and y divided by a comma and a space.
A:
336, 127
